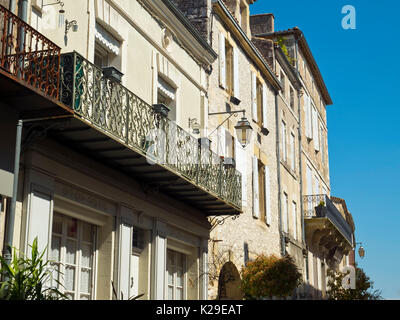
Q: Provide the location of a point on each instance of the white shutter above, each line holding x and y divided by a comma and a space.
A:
41, 210
222, 62
285, 212
221, 141
256, 209
310, 124
254, 96
125, 260
315, 129
268, 217
240, 154
236, 76
264, 105
294, 218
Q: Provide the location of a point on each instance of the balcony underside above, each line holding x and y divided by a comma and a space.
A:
28, 101
325, 237
95, 144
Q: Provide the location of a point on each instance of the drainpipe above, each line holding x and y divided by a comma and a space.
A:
278, 157
23, 10
11, 217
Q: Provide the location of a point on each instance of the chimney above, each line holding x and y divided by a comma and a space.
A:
262, 23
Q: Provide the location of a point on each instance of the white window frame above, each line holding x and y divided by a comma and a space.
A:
174, 286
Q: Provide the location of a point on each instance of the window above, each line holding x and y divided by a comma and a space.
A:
72, 250
283, 82
261, 188
260, 103
285, 217
176, 269
229, 145
322, 144
107, 49
166, 94
229, 67
294, 218
293, 151
243, 17
101, 58
291, 98
283, 137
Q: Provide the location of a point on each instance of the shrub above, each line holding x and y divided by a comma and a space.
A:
270, 276
25, 278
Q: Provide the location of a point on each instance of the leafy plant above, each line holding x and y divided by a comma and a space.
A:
28, 278
363, 291
270, 276
282, 45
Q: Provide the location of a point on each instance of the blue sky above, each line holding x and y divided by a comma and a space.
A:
361, 69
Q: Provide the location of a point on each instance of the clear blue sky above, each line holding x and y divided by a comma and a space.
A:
361, 70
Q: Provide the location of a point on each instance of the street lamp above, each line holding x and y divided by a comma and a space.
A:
361, 250
243, 127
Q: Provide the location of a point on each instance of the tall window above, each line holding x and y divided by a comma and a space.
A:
176, 269
72, 247
260, 103
229, 145
293, 151
283, 137
294, 219
285, 212
283, 82
166, 94
261, 188
291, 98
229, 67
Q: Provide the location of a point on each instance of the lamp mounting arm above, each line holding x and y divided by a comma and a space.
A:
231, 113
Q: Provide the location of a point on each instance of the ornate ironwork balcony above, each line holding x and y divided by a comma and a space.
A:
27, 56
118, 113
321, 207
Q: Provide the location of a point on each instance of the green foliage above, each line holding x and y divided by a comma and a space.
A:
363, 291
270, 276
24, 278
281, 43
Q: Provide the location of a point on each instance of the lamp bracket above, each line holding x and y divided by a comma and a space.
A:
231, 113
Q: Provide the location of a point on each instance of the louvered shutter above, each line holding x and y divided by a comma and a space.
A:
222, 62
125, 259
268, 215
256, 209
240, 154
221, 142
236, 76
315, 129
254, 96
264, 106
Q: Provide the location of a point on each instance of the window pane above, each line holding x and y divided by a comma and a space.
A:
57, 224
170, 276
69, 278
72, 228
170, 293
85, 281
55, 248
179, 294
71, 251
54, 275
179, 277
87, 232
70, 296
86, 255
85, 297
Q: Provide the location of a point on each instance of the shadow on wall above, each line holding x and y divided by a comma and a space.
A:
229, 283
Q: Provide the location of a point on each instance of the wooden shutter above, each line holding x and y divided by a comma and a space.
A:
268, 215
221, 142
294, 218
236, 76
125, 260
315, 128
254, 96
40, 214
222, 62
256, 209
264, 106
240, 154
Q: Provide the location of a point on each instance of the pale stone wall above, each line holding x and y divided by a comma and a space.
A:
246, 231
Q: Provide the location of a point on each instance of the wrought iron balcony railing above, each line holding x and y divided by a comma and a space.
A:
320, 206
28, 56
120, 114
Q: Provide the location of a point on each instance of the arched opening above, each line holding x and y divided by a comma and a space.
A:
229, 283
